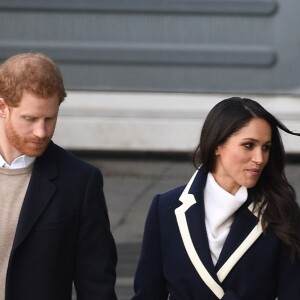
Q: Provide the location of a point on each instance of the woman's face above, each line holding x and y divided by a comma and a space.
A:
241, 159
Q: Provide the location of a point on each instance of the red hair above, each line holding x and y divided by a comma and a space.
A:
32, 72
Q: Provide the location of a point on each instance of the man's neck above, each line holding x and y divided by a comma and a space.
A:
8, 152
9, 155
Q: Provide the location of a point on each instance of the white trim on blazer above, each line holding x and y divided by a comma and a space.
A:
187, 201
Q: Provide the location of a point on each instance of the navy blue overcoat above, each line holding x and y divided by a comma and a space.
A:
63, 234
176, 264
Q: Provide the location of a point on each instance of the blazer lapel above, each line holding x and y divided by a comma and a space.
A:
244, 221
245, 230
40, 191
191, 224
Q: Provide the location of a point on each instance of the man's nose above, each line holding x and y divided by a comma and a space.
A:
40, 130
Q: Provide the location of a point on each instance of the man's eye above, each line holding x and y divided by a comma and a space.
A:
28, 119
50, 119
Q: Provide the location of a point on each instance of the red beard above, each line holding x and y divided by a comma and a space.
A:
32, 147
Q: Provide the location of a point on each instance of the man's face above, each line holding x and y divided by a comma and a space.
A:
30, 126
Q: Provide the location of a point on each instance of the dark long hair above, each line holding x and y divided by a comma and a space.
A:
272, 190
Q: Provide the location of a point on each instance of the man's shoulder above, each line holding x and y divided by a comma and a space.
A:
65, 158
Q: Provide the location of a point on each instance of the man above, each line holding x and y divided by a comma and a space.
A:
54, 227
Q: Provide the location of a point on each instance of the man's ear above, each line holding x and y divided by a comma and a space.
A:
3, 108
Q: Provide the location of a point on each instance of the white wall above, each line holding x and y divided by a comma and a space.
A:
152, 122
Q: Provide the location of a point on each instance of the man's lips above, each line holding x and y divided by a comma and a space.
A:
38, 143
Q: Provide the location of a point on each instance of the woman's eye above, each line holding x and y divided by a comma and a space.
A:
248, 145
266, 147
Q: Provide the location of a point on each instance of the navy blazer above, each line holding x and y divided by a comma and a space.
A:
176, 263
63, 234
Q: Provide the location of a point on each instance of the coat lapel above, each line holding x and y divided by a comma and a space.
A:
245, 230
190, 216
190, 225
40, 191
244, 221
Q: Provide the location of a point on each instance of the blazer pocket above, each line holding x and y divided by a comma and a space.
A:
62, 223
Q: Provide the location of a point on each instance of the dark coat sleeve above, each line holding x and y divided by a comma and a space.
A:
288, 276
96, 253
149, 281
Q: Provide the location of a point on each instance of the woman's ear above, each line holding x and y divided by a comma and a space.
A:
217, 152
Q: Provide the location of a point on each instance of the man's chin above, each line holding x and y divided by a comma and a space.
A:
34, 151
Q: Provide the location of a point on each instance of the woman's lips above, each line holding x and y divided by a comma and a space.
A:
254, 172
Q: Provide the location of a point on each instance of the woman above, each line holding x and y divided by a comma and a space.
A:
233, 232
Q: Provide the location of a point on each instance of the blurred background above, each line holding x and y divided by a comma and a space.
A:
141, 77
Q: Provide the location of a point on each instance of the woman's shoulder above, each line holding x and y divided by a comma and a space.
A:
169, 199
173, 192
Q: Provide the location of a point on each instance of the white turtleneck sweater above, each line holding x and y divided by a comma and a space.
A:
220, 207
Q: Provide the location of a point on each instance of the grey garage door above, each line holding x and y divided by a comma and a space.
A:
163, 46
